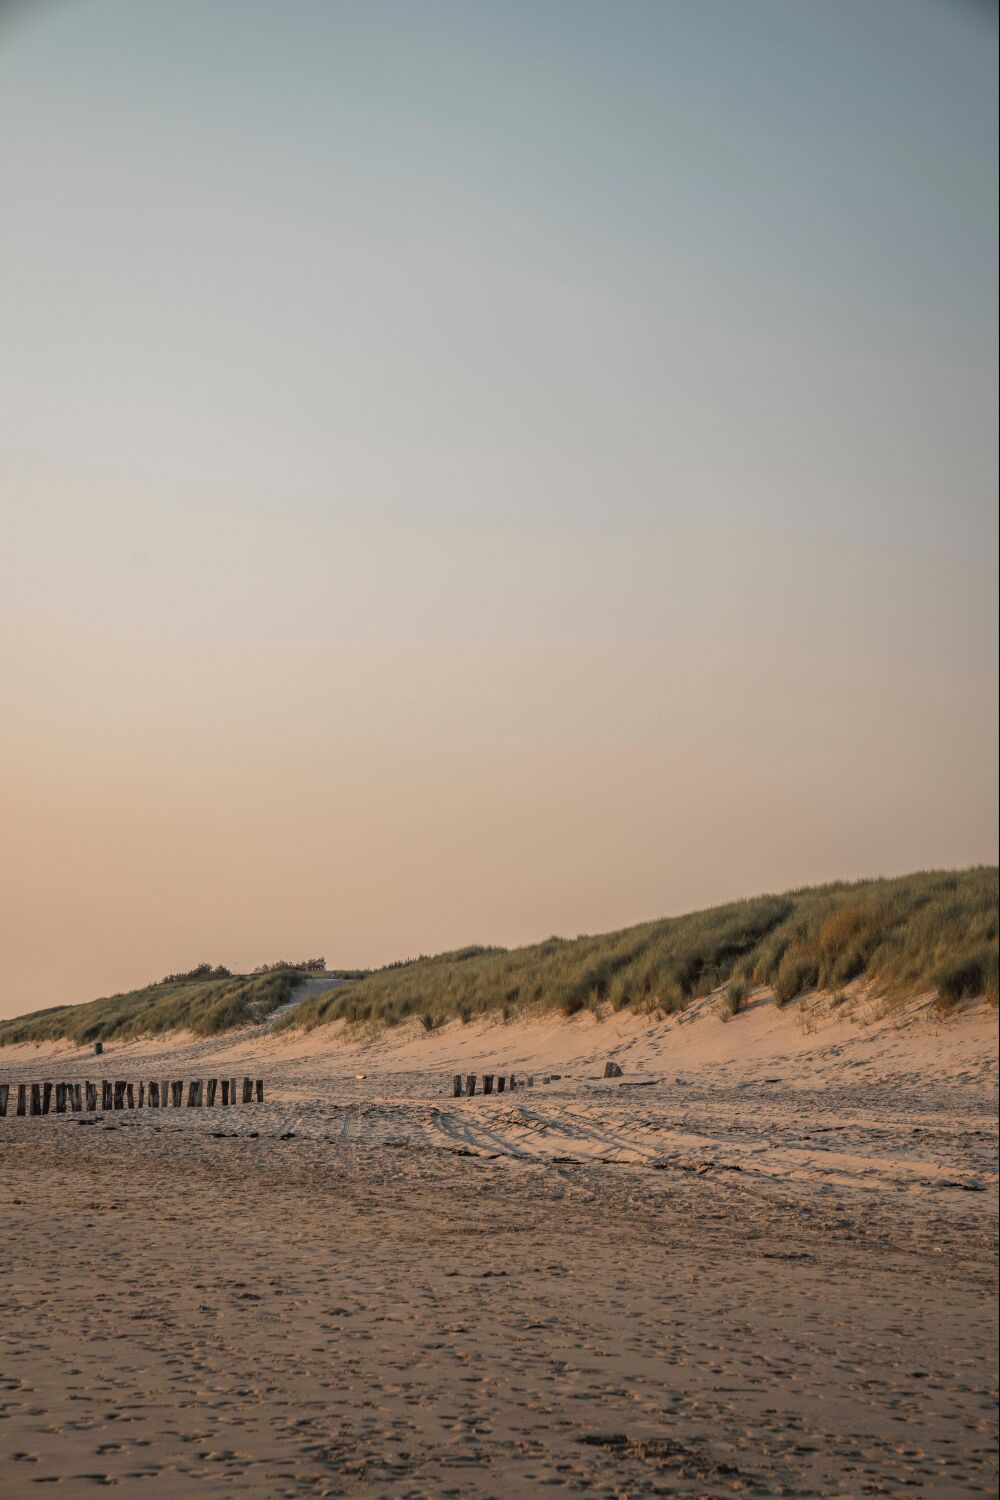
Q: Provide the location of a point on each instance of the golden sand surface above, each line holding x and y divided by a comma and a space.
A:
770, 1270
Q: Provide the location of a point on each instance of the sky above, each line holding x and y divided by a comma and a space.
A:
470, 471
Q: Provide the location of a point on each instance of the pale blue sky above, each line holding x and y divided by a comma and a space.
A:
495, 381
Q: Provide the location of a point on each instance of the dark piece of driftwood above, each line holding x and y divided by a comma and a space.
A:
247, 1091
177, 1093
612, 1069
36, 1099
22, 1098
487, 1083
46, 1097
90, 1089
210, 1089
98, 1048
76, 1097
225, 1091
456, 1086
60, 1098
4, 1094
258, 1090
470, 1084
501, 1083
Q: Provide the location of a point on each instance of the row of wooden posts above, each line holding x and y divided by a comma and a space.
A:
39, 1098
501, 1080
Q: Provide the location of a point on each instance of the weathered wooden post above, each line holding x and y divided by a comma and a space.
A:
177, 1093
91, 1091
233, 1093
225, 1091
130, 1095
487, 1083
456, 1086
194, 1094
76, 1097
142, 1093
4, 1092
164, 1093
36, 1099
247, 1091
501, 1083
119, 1094
258, 1090
210, 1088
60, 1098
530, 1081
513, 1081
98, 1048
154, 1094
22, 1099
105, 1094
46, 1097
470, 1084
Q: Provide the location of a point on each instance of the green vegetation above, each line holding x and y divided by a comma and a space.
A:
935, 930
205, 1001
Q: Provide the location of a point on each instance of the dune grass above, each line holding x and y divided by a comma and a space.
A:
936, 930
205, 1000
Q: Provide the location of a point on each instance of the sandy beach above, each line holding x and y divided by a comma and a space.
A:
762, 1261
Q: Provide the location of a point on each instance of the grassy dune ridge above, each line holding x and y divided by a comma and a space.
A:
205, 1000
936, 930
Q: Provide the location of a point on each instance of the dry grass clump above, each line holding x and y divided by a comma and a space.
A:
902, 936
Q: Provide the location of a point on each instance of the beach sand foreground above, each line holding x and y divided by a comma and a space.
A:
771, 1271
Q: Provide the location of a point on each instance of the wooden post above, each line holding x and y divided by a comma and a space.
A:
247, 1091
36, 1099
513, 1081
22, 1099
501, 1083
456, 1086
530, 1081
105, 1094
177, 1093
60, 1098
46, 1097
4, 1091
118, 1099
142, 1093
487, 1083
470, 1084
164, 1093
233, 1095
130, 1095
98, 1048
258, 1090
210, 1088
91, 1091
194, 1094
154, 1094
225, 1091
76, 1097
